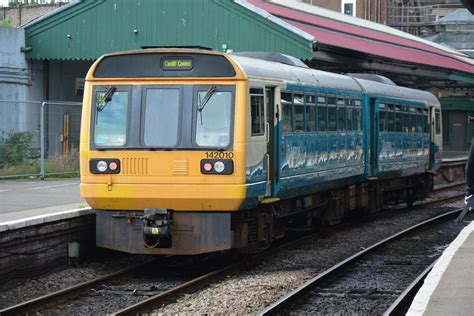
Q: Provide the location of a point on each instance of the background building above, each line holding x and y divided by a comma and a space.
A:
60, 46
373, 10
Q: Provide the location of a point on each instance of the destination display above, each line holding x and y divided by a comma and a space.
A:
176, 64
158, 65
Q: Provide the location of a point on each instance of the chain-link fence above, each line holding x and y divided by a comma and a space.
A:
39, 138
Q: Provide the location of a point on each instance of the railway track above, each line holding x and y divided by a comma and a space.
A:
359, 278
116, 282
454, 192
63, 295
151, 299
136, 283
152, 302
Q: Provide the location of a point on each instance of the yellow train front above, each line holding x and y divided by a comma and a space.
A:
194, 151
161, 154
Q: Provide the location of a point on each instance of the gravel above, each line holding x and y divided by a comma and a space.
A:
371, 284
24, 290
244, 292
250, 291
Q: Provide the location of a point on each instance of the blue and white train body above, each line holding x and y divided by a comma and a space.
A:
332, 131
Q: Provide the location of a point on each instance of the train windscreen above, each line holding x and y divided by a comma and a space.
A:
162, 117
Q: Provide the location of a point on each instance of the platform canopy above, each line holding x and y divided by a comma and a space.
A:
350, 44
84, 30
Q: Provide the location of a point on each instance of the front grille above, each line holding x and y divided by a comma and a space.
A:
180, 167
135, 166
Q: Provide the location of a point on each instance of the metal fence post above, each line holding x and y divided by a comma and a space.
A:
42, 142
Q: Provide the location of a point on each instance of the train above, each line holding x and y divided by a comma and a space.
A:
192, 151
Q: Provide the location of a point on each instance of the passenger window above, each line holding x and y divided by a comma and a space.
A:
412, 120
438, 122
390, 118
257, 112
419, 121
298, 102
287, 109
322, 114
398, 119
358, 115
341, 115
426, 125
406, 119
349, 114
332, 114
382, 117
310, 114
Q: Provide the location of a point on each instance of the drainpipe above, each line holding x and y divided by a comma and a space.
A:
20, 6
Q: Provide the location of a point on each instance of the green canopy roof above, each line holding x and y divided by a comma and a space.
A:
88, 29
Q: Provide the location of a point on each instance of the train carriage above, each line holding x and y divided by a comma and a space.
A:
192, 151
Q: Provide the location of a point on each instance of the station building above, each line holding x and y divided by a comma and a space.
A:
60, 47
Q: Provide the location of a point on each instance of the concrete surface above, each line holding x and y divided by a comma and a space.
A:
21, 199
449, 287
454, 155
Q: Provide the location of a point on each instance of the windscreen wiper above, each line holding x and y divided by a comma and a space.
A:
106, 99
207, 97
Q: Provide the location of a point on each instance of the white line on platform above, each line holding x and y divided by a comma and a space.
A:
4, 190
420, 302
44, 218
53, 186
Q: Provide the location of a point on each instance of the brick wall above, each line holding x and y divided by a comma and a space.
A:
19, 15
373, 10
334, 5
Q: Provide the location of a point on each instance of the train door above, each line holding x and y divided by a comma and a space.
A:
432, 137
273, 133
374, 137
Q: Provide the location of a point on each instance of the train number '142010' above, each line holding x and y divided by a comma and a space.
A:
219, 155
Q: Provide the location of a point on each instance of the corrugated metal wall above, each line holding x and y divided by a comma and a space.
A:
92, 28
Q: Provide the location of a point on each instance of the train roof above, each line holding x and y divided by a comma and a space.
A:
269, 69
394, 91
288, 69
259, 68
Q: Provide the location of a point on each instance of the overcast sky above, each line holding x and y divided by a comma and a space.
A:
3, 3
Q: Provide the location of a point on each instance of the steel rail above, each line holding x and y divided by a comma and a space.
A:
32, 305
286, 300
449, 186
149, 303
64, 294
440, 200
409, 293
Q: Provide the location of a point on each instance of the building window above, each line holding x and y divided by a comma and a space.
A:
348, 7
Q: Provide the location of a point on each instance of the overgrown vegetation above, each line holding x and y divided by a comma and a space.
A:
16, 148
17, 157
5, 23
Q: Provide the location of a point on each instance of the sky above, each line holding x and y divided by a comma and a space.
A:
3, 3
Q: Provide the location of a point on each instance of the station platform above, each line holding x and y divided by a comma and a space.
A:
449, 287
454, 156
33, 201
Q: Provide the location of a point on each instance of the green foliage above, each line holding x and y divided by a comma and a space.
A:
54, 164
16, 149
61, 163
5, 23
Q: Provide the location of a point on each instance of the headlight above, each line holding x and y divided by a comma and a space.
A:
102, 166
219, 166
